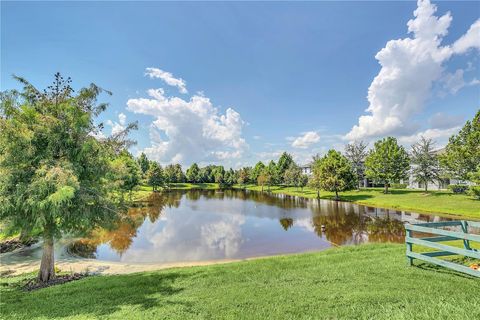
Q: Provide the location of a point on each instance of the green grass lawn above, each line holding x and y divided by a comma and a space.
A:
415, 200
362, 282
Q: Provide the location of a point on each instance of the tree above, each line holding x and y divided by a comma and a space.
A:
462, 153
229, 178
262, 178
243, 176
314, 180
284, 162
272, 174
303, 181
292, 175
126, 172
387, 162
256, 171
155, 176
54, 172
169, 174
144, 164
425, 164
179, 175
193, 173
356, 152
336, 173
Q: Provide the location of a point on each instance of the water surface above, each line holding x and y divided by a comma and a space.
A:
199, 225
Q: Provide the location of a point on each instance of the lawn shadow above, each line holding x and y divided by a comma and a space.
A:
98, 296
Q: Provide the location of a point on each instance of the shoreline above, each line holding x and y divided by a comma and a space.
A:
102, 267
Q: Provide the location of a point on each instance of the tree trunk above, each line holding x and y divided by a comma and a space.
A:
386, 188
47, 266
318, 194
426, 186
336, 195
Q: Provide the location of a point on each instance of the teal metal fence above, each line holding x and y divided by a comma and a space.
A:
438, 235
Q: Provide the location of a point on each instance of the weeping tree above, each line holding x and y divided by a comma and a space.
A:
54, 168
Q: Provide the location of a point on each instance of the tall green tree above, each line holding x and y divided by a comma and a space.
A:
155, 176
284, 162
272, 174
356, 153
243, 176
179, 175
144, 164
292, 175
336, 173
462, 153
387, 162
54, 172
193, 173
424, 161
256, 171
126, 172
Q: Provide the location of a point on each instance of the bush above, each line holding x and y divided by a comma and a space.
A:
475, 191
458, 188
399, 185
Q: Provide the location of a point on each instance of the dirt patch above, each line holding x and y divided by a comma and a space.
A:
34, 284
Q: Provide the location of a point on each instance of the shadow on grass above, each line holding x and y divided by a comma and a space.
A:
97, 296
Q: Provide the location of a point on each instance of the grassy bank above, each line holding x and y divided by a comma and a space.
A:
415, 200
369, 281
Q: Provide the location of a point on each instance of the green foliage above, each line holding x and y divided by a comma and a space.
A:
356, 152
425, 164
335, 173
284, 162
293, 175
155, 176
257, 170
244, 176
462, 153
272, 174
55, 176
144, 164
193, 175
399, 185
387, 162
126, 172
458, 188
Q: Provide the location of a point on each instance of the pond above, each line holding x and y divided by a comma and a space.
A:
201, 225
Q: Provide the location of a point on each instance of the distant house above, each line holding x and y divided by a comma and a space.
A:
307, 169
440, 184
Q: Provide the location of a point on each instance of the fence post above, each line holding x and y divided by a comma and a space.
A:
409, 249
466, 243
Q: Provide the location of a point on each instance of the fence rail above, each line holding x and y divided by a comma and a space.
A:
441, 235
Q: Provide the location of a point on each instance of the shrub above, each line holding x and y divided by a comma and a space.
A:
475, 191
458, 188
399, 185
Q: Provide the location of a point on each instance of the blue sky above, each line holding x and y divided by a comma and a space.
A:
260, 77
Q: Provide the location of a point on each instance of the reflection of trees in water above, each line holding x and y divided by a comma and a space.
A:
122, 233
286, 223
338, 222
386, 230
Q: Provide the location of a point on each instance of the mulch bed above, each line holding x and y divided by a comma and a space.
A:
34, 284
10, 245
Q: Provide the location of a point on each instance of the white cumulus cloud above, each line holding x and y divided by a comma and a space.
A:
168, 78
306, 140
409, 68
119, 126
187, 131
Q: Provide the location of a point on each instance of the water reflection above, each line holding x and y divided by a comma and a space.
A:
206, 225
233, 224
